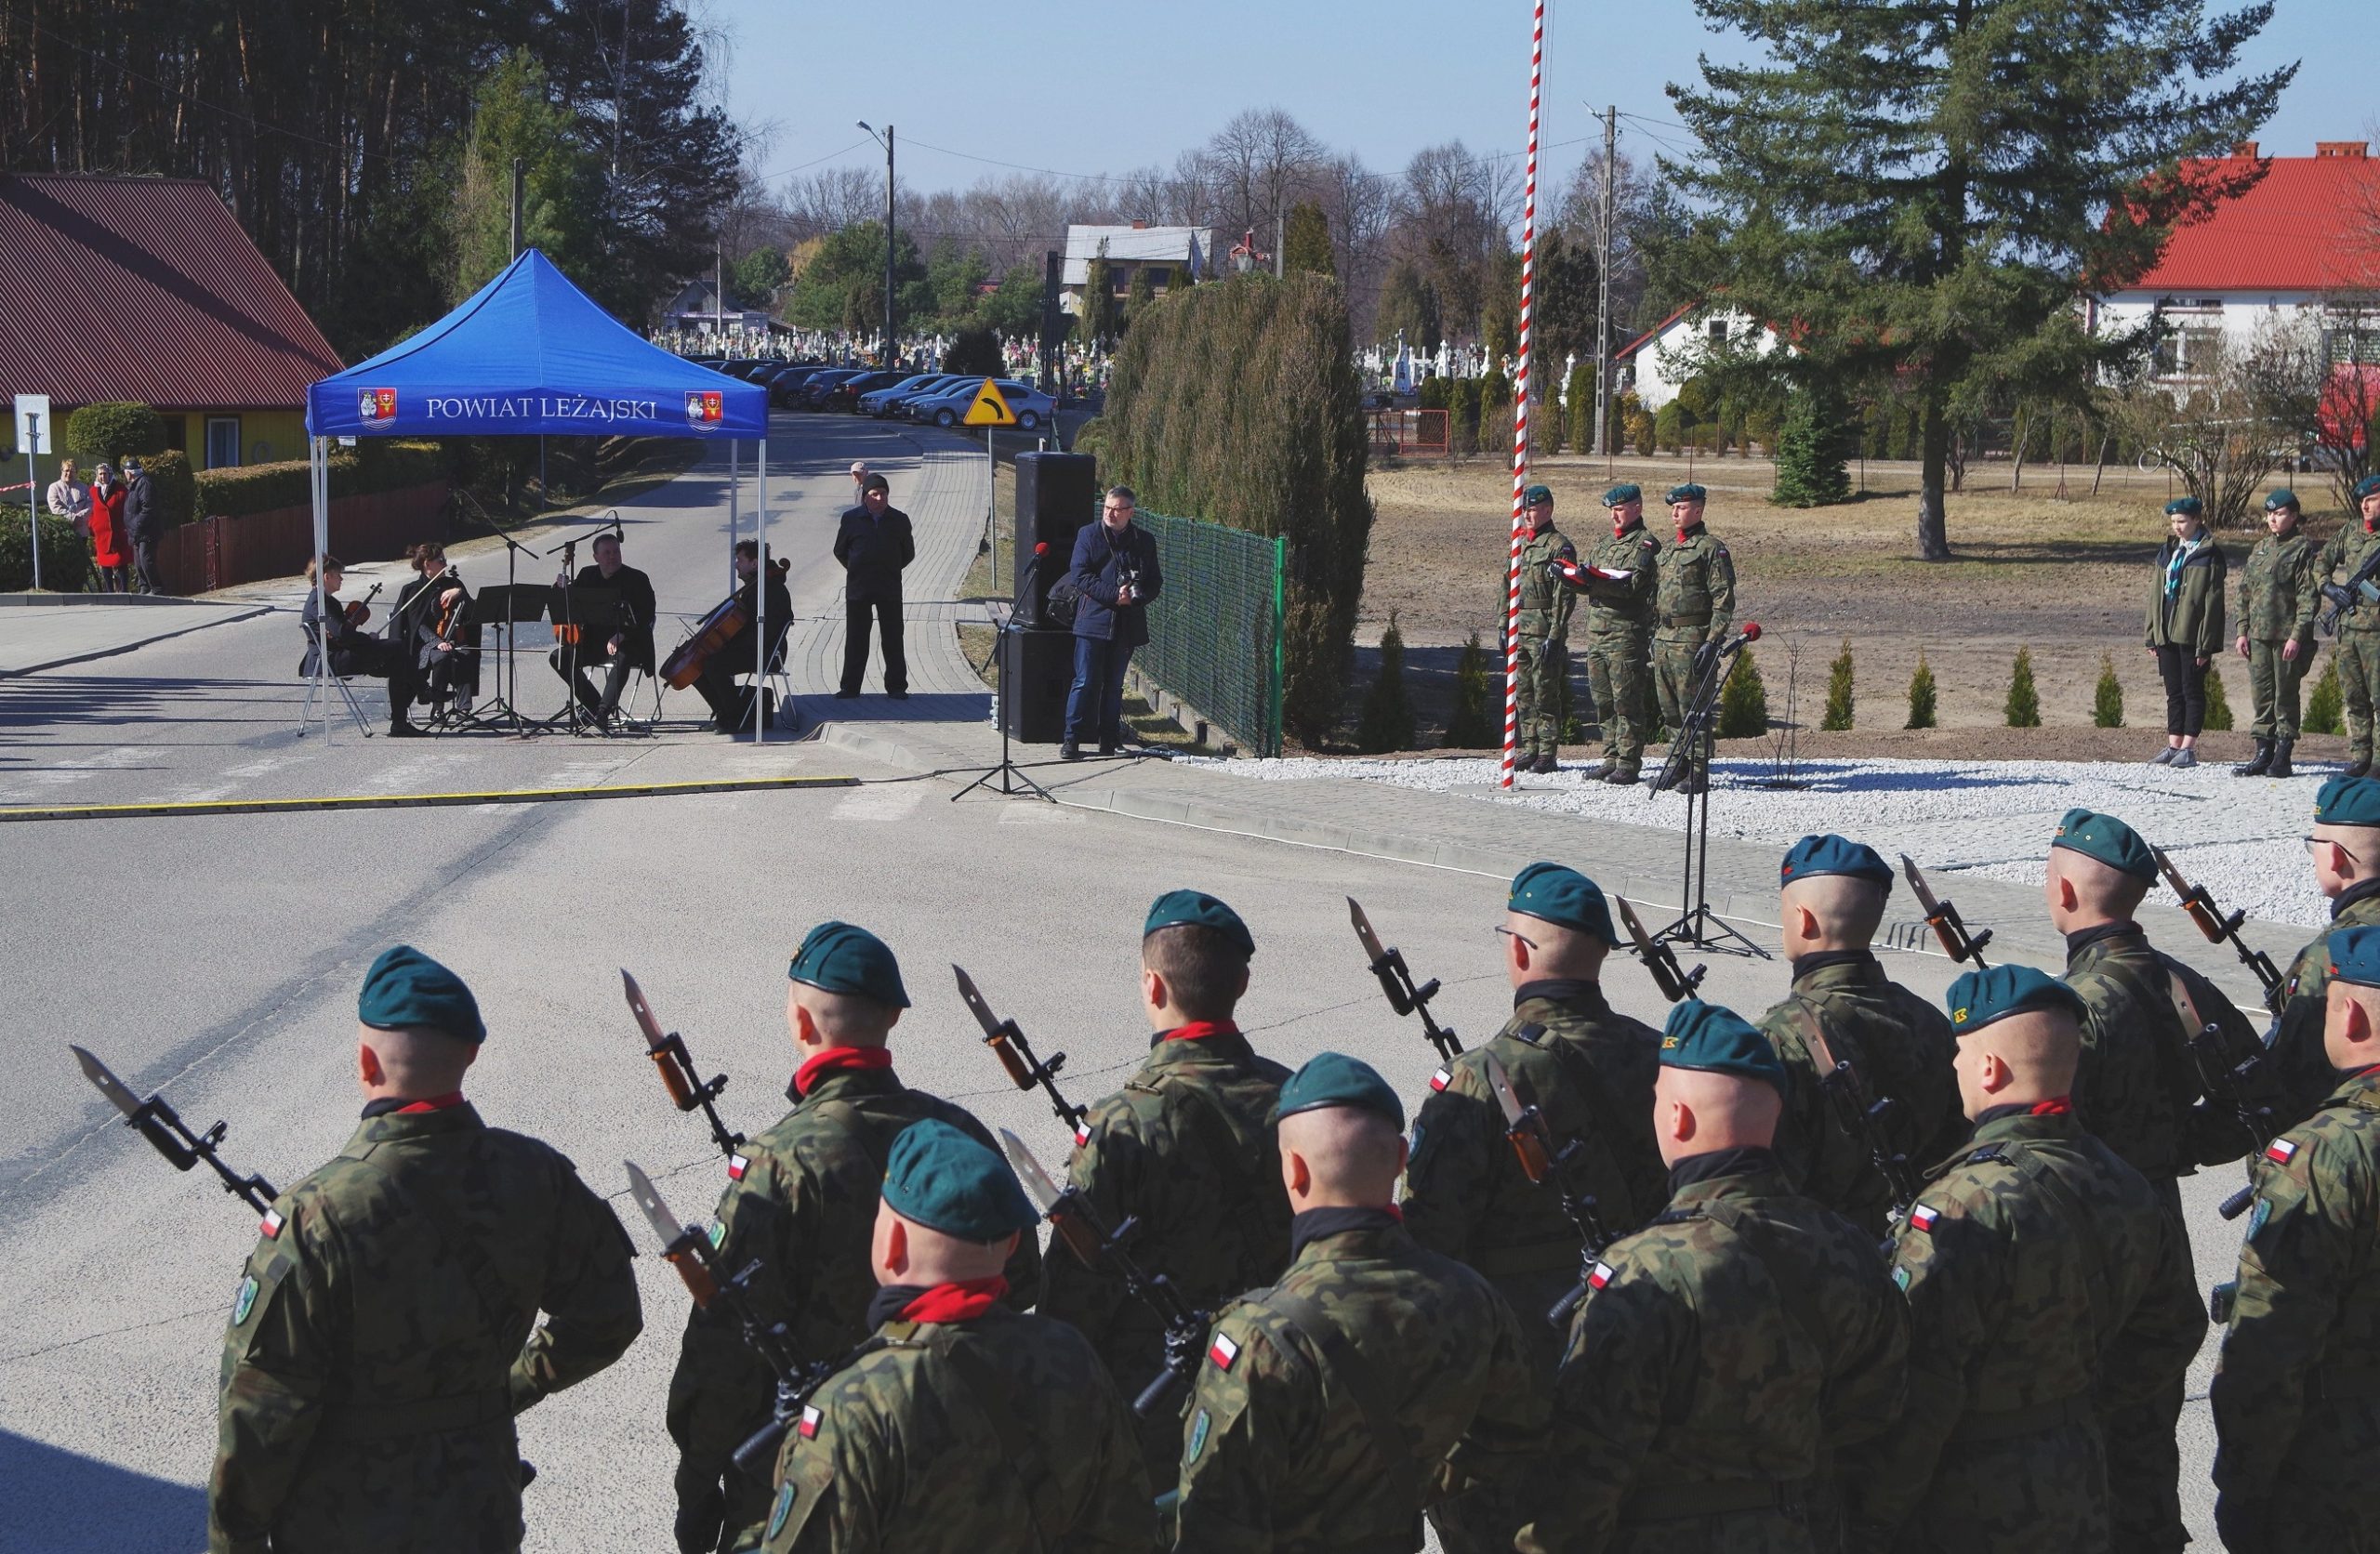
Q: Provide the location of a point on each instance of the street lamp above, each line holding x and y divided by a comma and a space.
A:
885, 140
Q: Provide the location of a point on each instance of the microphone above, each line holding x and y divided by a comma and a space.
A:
1032, 611
1752, 631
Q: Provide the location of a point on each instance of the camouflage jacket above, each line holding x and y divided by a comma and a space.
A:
1900, 1047
802, 1199
1546, 602
1616, 606
2192, 616
2292, 1395
2046, 1287
2348, 549
1375, 1376
2304, 1069
1589, 1070
384, 1332
2279, 588
1002, 1431
1697, 597
1187, 1145
1731, 1349
2136, 1085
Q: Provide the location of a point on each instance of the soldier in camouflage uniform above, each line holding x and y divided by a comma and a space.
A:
962, 1426
2296, 1408
2047, 1284
1728, 1351
1543, 629
1843, 1009
385, 1330
2277, 598
1620, 572
1695, 605
1589, 1070
1187, 1146
2358, 658
2139, 1089
800, 1199
1374, 1378
2345, 852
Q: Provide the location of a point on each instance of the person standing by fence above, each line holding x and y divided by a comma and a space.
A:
1115, 569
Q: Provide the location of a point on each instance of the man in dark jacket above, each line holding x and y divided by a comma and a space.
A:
145, 524
629, 646
1115, 569
874, 545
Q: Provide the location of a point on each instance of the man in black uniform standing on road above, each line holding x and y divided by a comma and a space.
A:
874, 545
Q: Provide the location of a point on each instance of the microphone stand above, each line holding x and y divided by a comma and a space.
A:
507, 709
1012, 634
1698, 926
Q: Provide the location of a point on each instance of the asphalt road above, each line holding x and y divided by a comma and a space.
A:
219, 957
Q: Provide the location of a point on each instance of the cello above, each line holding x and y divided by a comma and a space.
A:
724, 625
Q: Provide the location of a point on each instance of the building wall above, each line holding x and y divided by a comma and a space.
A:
1664, 364
2234, 314
265, 436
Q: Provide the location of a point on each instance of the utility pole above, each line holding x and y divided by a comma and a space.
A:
1280, 240
516, 207
1603, 286
719, 290
887, 138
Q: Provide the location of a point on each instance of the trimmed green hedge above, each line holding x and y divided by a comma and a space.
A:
169, 483
263, 488
112, 429
64, 558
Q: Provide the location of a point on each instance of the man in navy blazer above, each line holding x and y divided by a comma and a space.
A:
1114, 567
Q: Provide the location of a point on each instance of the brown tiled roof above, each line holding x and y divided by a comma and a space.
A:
146, 289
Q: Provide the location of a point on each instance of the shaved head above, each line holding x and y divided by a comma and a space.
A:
1340, 1157
2344, 855
1696, 1112
903, 1252
1832, 912
841, 1019
2083, 892
1537, 951
2350, 1026
413, 1061
2025, 1058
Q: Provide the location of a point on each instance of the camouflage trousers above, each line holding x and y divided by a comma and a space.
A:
1545, 665
2273, 681
1619, 677
2359, 664
1674, 679
1486, 1519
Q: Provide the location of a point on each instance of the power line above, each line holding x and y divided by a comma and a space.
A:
805, 167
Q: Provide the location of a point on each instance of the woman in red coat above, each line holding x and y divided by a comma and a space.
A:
107, 529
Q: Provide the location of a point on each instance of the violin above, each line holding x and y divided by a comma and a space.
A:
566, 632
360, 610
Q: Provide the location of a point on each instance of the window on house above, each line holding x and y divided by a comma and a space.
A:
1160, 277
2188, 351
1718, 332
223, 441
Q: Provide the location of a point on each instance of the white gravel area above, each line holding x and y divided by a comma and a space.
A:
2240, 836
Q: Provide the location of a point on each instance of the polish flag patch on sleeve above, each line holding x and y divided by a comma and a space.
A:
1082, 1133
1921, 1217
271, 1224
1441, 1079
736, 1165
1222, 1351
2281, 1152
809, 1418
1600, 1275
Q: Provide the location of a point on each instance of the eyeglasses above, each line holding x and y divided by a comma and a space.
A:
1522, 937
1111, 511
2313, 842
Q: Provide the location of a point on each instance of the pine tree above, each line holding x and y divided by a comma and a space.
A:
2323, 704
1743, 700
1921, 696
2024, 705
2218, 707
1837, 690
1139, 293
1813, 448
1583, 408
1305, 241
2107, 702
1387, 720
1467, 725
1098, 300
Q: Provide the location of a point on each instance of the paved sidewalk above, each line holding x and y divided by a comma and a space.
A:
41, 631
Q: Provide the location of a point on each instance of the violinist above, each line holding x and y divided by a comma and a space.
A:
353, 649
628, 647
430, 626
731, 705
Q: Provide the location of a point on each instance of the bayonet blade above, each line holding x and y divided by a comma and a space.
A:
2173, 876
974, 1000
1635, 926
1028, 1171
1500, 1081
106, 1082
643, 1011
656, 1213
1364, 929
1924, 892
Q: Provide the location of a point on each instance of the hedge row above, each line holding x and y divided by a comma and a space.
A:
259, 487
64, 558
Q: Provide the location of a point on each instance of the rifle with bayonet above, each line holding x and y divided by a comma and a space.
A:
1079, 1226
1676, 985
2220, 928
1868, 1121
1396, 980
1543, 1159
1007, 1043
690, 1252
687, 1088
1944, 919
2360, 588
156, 1120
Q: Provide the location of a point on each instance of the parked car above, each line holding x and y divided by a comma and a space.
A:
844, 396
785, 390
815, 387
1032, 408
880, 401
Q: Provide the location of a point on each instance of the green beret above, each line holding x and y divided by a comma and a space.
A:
1621, 494
947, 1181
2348, 801
1335, 1079
1197, 907
2189, 504
406, 988
2108, 839
2355, 955
1536, 494
1556, 893
2280, 497
1717, 1040
1687, 493
1979, 998
2368, 486
1830, 854
841, 958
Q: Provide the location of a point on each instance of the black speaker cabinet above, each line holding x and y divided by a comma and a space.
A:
1056, 494
1037, 668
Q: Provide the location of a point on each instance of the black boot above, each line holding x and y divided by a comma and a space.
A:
2360, 766
2258, 763
2279, 766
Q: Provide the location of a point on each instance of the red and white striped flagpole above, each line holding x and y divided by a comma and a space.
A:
1520, 408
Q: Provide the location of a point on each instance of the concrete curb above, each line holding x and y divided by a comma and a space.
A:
234, 614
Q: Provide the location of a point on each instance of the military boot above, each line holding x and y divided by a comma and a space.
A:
2257, 763
1624, 777
2279, 766
2360, 766
1601, 771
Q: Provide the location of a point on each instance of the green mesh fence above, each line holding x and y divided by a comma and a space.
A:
1215, 630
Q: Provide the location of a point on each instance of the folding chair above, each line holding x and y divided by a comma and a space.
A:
347, 692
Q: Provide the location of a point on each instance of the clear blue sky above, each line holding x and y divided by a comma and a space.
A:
1382, 79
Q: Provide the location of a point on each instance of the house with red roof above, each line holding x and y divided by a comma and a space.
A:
147, 289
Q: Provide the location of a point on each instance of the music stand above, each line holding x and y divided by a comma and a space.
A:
507, 609
597, 612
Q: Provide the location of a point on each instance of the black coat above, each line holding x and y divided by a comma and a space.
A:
142, 519
873, 551
1098, 567
635, 600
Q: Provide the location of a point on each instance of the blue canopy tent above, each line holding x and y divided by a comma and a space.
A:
530, 355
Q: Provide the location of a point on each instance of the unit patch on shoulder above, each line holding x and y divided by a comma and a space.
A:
782, 1508
1197, 1442
809, 1419
1901, 1279
2256, 1219
2281, 1152
244, 1299
1222, 1351
1921, 1217
717, 1233
271, 1225
736, 1165
1441, 1079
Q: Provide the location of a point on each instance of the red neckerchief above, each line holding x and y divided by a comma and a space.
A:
1199, 1028
435, 1103
962, 1301
2056, 1106
839, 1059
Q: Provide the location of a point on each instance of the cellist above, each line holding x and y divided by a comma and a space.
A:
731, 705
440, 646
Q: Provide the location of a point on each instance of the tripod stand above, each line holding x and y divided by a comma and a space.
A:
1014, 779
515, 604
1689, 761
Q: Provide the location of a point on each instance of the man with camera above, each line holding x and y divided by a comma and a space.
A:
1115, 570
